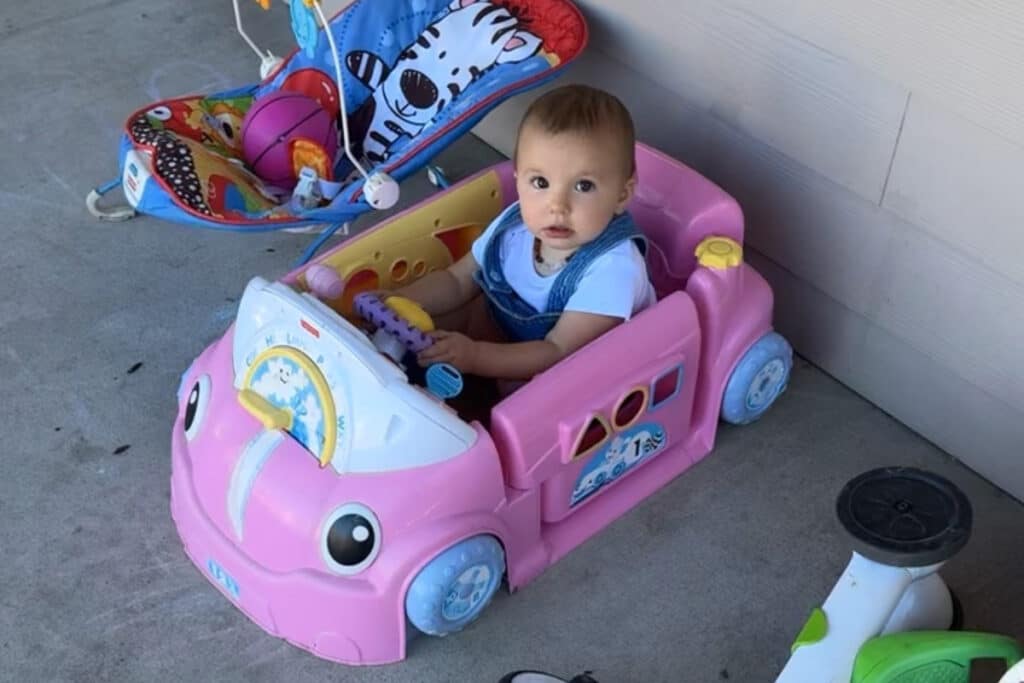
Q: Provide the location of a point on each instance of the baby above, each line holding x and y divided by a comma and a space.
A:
562, 265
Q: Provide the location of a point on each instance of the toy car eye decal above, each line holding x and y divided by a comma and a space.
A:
351, 539
195, 406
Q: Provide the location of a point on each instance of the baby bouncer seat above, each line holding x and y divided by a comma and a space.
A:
399, 79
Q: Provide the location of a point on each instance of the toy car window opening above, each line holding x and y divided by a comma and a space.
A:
592, 437
628, 410
666, 387
630, 407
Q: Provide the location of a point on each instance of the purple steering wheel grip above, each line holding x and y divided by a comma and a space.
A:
372, 309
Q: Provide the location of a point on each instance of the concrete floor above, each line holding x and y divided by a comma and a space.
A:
709, 579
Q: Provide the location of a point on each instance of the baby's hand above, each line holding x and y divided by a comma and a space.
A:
450, 347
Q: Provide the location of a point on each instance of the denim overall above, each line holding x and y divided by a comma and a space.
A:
519, 320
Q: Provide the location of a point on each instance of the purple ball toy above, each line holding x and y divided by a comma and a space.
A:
270, 126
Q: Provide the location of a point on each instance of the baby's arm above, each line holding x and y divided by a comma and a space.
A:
521, 360
443, 291
613, 287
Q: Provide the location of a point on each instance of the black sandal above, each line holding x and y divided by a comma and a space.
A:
541, 677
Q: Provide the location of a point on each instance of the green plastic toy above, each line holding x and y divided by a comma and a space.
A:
930, 656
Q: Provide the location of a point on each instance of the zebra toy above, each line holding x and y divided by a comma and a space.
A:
431, 71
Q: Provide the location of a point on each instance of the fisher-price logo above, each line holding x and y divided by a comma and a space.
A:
136, 175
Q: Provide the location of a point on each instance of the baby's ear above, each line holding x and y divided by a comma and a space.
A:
627, 194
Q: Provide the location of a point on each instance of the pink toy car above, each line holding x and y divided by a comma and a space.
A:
332, 498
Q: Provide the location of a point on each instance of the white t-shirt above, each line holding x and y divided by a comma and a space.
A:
614, 284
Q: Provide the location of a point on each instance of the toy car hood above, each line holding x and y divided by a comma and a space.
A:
302, 368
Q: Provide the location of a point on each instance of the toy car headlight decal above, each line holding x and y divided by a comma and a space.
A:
351, 539
195, 406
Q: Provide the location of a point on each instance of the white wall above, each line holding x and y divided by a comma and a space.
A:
876, 148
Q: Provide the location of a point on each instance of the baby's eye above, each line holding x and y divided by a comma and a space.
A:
585, 186
539, 182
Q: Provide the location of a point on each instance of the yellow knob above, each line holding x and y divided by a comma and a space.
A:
411, 312
719, 253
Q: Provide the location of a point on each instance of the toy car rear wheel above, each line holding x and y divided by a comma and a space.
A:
454, 588
758, 379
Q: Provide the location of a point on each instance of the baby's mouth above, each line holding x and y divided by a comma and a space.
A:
556, 231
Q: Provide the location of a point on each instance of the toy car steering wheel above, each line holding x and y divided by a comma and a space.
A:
402, 318
403, 325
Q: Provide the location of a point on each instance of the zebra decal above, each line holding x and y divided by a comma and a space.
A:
430, 72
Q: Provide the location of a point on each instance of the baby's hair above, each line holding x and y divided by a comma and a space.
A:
580, 108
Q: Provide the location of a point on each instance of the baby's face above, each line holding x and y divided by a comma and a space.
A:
570, 185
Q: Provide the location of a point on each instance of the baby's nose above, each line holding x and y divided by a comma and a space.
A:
557, 203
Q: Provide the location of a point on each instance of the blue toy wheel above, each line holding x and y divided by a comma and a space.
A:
619, 468
758, 379
455, 587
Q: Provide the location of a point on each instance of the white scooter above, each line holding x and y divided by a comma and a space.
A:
885, 620
905, 524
